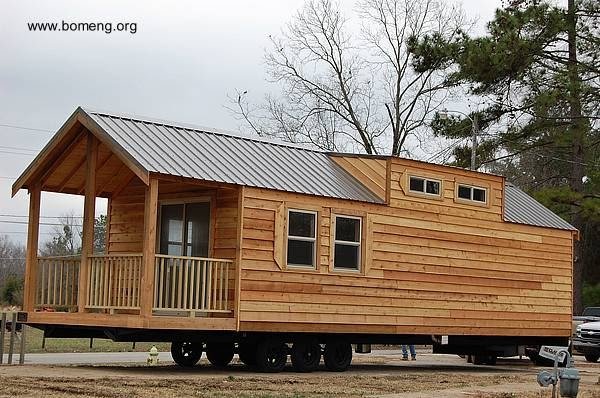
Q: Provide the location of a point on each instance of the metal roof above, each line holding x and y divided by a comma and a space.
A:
521, 208
212, 155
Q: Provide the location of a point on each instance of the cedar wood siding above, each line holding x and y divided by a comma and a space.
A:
126, 216
430, 266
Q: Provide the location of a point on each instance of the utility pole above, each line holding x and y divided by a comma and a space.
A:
475, 131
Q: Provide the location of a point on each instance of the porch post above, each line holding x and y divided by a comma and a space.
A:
89, 212
150, 220
33, 229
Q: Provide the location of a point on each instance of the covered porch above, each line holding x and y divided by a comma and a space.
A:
171, 250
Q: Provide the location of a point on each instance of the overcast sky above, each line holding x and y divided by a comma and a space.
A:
181, 63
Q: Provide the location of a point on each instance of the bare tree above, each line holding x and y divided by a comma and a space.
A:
66, 239
345, 87
12, 269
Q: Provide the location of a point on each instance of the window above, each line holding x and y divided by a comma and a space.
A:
347, 244
185, 238
424, 185
302, 236
475, 194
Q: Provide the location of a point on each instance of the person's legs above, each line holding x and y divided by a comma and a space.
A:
413, 352
404, 352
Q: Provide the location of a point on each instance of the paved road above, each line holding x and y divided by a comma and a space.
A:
388, 356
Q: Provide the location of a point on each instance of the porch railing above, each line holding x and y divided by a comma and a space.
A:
57, 280
114, 281
193, 284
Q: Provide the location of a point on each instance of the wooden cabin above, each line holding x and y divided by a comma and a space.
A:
209, 231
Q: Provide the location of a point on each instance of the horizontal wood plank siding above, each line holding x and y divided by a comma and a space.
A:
434, 266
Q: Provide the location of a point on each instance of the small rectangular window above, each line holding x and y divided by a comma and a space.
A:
479, 195
302, 232
424, 185
464, 192
475, 194
347, 243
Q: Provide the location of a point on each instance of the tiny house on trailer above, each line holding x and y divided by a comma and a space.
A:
226, 244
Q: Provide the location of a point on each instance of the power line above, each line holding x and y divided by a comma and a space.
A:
26, 216
25, 223
17, 153
14, 126
8, 178
19, 148
23, 232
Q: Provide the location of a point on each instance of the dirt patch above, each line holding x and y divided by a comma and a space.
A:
370, 376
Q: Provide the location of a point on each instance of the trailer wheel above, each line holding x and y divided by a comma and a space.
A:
247, 354
271, 355
591, 357
219, 354
337, 356
186, 353
306, 355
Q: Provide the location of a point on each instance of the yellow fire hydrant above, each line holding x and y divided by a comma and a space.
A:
152, 356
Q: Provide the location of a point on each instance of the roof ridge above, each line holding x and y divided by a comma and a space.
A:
198, 129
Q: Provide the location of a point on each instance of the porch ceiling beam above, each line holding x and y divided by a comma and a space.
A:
56, 163
111, 179
98, 168
123, 184
71, 173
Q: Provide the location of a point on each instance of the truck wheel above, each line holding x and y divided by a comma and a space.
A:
337, 356
247, 354
591, 357
478, 359
306, 355
186, 353
219, 354
271, 355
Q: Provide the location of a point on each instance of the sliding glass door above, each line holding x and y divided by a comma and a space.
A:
184, 229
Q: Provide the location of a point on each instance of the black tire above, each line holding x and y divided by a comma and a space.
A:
479, 359
306, 355
219, 354
186, 353
591, 357
247, 354
271, 355
492, 360
337, 356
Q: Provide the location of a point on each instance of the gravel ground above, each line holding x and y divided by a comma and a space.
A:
379, 375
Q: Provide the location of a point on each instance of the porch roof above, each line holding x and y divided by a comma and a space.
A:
155, 146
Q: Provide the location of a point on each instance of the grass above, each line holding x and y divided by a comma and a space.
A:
34, 341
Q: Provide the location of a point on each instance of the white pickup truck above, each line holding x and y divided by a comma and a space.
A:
586, 336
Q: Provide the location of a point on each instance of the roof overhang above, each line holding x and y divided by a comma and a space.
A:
61, 140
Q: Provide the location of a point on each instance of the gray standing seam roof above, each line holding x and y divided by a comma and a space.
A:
521, 208
212, 155
206, 154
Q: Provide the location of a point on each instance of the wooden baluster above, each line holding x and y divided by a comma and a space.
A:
198, 266
60, 284
204, 283
160, 279
226, 307
209, 287
184, 287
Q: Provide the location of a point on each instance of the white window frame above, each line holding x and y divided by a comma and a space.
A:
344, 242
471, 190
302, 238
424, 192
